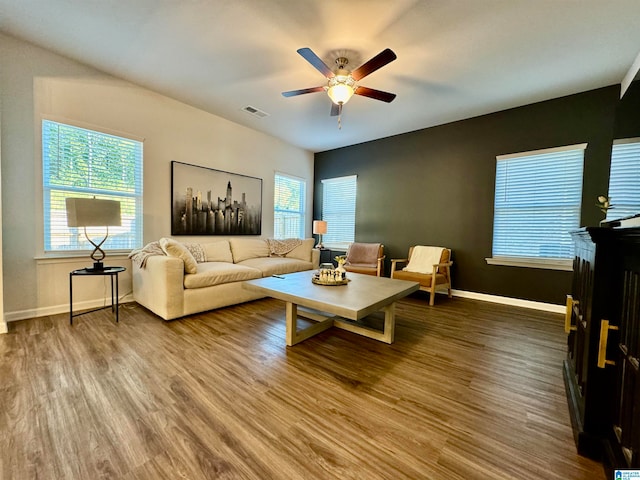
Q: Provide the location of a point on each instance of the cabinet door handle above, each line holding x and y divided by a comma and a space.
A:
604, 337
567, 317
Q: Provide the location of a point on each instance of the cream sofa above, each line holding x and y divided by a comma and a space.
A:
175, 284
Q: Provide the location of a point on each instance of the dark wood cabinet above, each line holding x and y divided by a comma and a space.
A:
622, 443
601, 371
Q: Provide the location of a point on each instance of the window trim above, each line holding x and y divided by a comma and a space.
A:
343, 245
542, 151
532, 262
612, 215
303, 202
40, 227
563, 264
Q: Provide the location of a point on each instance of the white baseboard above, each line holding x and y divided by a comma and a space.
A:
58, 309
516, 302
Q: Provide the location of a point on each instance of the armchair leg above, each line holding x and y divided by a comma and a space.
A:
433, 287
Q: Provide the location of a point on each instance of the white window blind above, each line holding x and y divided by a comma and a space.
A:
84, 163
339, 211
289, 207
624, 179
537, 203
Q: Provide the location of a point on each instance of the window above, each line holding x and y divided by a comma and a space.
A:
537, 203
84, 163
288, 207
624, 179
339, 211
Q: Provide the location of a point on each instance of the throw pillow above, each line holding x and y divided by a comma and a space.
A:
176, 249
302, 251
197, 251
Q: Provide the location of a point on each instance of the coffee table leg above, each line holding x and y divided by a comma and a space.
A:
389, 323
386, 335
293, 335
292, 323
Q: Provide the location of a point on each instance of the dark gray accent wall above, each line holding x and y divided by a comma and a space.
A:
628, 113
435, 186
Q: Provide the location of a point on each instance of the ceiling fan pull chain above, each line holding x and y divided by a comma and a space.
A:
340, 117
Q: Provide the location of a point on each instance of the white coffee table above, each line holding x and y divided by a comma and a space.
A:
362, 296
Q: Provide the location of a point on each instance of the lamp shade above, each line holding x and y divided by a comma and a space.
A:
92, 212
319, 227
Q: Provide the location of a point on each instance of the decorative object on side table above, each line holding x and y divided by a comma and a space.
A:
94, 212
319, 228
604, 204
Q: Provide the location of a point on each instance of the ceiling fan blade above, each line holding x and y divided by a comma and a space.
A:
376, 94
314, 60
335, 110
379, 61
293, 93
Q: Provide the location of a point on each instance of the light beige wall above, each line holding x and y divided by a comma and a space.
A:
34, 83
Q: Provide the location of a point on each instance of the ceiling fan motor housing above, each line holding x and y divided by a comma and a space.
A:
341, 62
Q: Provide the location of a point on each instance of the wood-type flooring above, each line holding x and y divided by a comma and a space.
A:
469, 390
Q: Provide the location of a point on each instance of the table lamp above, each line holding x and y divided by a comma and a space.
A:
92, 212
319, 227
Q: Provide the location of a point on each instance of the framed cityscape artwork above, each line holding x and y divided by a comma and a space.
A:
205, 201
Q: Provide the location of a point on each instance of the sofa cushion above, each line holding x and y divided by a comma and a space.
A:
303, 251
218, 251
277, 265
245, 248
216, 273
175, 249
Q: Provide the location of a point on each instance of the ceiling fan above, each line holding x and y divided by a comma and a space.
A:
342, 83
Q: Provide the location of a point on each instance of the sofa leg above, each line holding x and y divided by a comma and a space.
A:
432, 297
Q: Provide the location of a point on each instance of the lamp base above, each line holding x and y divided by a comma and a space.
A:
97, 267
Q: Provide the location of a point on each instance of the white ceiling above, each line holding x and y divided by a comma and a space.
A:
456, 58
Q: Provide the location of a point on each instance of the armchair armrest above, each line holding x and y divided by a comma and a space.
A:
380, 265
447, 265
395, 262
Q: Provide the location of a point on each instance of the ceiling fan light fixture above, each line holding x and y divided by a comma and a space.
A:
341, 89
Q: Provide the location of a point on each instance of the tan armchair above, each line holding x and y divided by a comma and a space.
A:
365, 258
430, 269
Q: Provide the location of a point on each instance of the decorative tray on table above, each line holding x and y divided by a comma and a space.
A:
317, 281
329, 277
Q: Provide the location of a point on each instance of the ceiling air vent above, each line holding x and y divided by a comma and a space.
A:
255, 112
